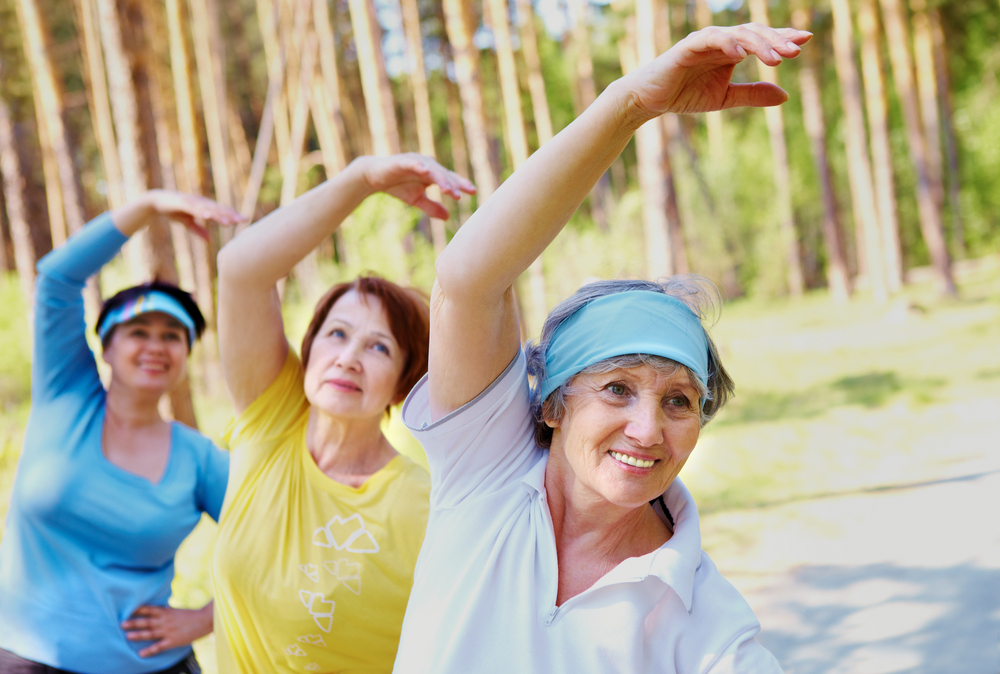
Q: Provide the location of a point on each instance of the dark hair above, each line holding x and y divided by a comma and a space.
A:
408, 313
183, 298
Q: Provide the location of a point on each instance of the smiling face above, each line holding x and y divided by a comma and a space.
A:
148, 353
626, 434
354, 362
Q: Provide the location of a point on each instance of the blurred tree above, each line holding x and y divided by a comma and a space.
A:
878, 127
931, 225
779, 164
459, 27
868, 239
13, 192
944, 98
422, 106
374, 80
837, 277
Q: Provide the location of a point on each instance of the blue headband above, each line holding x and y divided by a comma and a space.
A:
637, 321
149, 301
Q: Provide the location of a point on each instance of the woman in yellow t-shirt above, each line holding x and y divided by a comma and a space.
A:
323, 520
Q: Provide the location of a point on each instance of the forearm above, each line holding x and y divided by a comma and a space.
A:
515, 225
264, 253
203, 620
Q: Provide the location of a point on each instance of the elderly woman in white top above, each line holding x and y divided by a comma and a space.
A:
559, 539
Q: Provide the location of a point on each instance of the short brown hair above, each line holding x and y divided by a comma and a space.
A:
408, 313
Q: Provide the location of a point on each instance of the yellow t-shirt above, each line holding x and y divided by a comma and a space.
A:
310, 575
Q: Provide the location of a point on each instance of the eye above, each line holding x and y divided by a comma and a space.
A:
172, 337
617, 388
382, 348
338, 333
679, 401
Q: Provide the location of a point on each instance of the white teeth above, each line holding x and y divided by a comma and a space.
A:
631, 460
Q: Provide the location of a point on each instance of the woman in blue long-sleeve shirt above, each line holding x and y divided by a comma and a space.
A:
106, 489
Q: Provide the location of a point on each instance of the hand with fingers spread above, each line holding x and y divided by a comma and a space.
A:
168, 627
695, 74
407, 177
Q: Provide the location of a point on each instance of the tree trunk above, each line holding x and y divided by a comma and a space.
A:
878, 126
275, 50
374, 80
600, 195
923, 52
948, 128
837, 277
931, 226
51, 112
456, 132
207, 42
97, 89
422, 107
457, 24
17, 215
333, 119
713, 120
536, 83
859, 166
517, 141
649, 149
779, 164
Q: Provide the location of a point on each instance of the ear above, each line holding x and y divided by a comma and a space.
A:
551, 423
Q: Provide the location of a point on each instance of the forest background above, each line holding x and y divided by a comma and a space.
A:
854, 231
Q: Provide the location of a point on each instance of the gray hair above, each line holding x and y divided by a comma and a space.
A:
697, 292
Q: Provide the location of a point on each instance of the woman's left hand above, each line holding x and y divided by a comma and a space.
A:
407, 177
168, 627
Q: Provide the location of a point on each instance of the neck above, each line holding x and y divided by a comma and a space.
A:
129, 408
347, 450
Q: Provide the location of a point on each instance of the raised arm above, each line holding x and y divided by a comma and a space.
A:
251, 333
474, 332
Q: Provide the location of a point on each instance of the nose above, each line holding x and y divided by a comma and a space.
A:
647, 423
349, 356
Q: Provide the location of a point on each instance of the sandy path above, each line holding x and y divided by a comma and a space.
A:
901, 579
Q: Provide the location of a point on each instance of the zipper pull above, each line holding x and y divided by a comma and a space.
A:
552, 615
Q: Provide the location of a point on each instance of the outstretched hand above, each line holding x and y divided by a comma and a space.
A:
192, 211
694, 75
167, 627
407, 177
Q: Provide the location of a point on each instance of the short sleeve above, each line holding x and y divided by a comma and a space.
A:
745, 655
276, 412
483, 445
213, 480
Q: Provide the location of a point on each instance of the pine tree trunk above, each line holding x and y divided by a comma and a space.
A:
374, 80
457, 24
600, 195
17, 215
649, 150
859, 165
878, 126
782, 173
422, 107
536, 83
931, 225
97, 90
948, 128
923, 52
837, 277
331, 96
713, 120
207, 42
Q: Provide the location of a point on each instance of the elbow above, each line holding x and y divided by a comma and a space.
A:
228, 264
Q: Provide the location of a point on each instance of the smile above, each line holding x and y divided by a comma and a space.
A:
631, 460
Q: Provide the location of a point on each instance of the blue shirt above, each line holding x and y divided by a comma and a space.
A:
87, 542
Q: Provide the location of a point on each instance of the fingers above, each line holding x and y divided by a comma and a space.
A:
158, 647
770, 45
758, 95
432, 208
